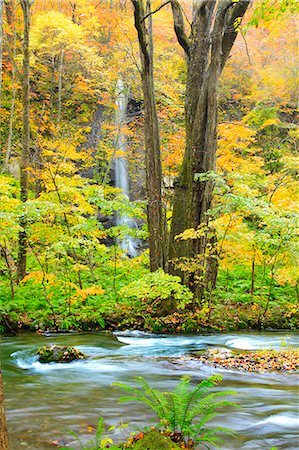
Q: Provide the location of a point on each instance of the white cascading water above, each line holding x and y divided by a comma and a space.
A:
128, 244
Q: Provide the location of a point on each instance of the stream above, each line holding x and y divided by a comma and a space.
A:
44, 402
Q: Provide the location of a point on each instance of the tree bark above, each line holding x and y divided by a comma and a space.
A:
155, 216
206, 49
24, 164
3, 430
12, 42
60, 75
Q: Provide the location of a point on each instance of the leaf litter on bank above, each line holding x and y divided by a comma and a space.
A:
285, 361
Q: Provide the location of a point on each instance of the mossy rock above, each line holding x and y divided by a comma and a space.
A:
58, 353
154, 440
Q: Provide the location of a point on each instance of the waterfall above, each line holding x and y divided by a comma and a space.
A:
128, 244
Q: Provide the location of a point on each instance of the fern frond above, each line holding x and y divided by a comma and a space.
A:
200, 390
211, 435
173, 413
140, 397
100, 430
159, 399
207, 405
126, 387
180, 396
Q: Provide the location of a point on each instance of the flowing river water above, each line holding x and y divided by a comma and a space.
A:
45, 402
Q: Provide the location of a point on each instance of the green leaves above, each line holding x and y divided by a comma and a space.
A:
158, 287
269, 10
185, 410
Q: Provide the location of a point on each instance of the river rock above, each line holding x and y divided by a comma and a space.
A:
154, 440
58, 353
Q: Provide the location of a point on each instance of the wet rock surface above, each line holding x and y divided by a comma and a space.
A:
57, 353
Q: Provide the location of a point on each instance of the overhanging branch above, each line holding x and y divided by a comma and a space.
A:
156, 10
178, 19
231, 31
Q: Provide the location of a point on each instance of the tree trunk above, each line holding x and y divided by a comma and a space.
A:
152, 139
207, 48
60, 75
24, 166
3, 430
13, 43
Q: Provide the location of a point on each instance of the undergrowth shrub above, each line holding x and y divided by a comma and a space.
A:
159, 292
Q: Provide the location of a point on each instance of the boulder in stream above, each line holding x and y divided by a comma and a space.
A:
58, 353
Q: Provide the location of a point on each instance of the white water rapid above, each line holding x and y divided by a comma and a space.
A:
45, 401
128, 244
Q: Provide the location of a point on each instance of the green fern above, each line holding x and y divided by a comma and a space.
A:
186, 410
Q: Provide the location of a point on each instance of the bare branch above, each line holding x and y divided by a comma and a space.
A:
178, 19
246, 47
156, 10
231, 31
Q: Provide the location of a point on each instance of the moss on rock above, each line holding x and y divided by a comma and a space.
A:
154, 440
57, 353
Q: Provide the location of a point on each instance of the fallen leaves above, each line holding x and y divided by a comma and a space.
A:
258, 361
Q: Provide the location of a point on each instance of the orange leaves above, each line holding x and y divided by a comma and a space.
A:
82, 294
236, 136
38, 277
236, 151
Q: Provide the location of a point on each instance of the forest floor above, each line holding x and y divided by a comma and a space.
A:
231, 316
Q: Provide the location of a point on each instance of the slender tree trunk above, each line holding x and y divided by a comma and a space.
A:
252, 275
10, 20
152, 140
3, 430
11, 267
24, 166
60, 73
37, 159
52, 86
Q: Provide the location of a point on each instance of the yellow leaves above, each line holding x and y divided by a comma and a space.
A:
52, 31
269, 122
288, 275
38, 277
236, 151
173, 153
82, 294
286, 197
236, 135
9, 204
191, 233
7, 185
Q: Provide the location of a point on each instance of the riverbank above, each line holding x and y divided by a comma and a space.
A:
231, 316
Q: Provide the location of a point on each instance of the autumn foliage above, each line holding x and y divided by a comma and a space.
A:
77, 274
